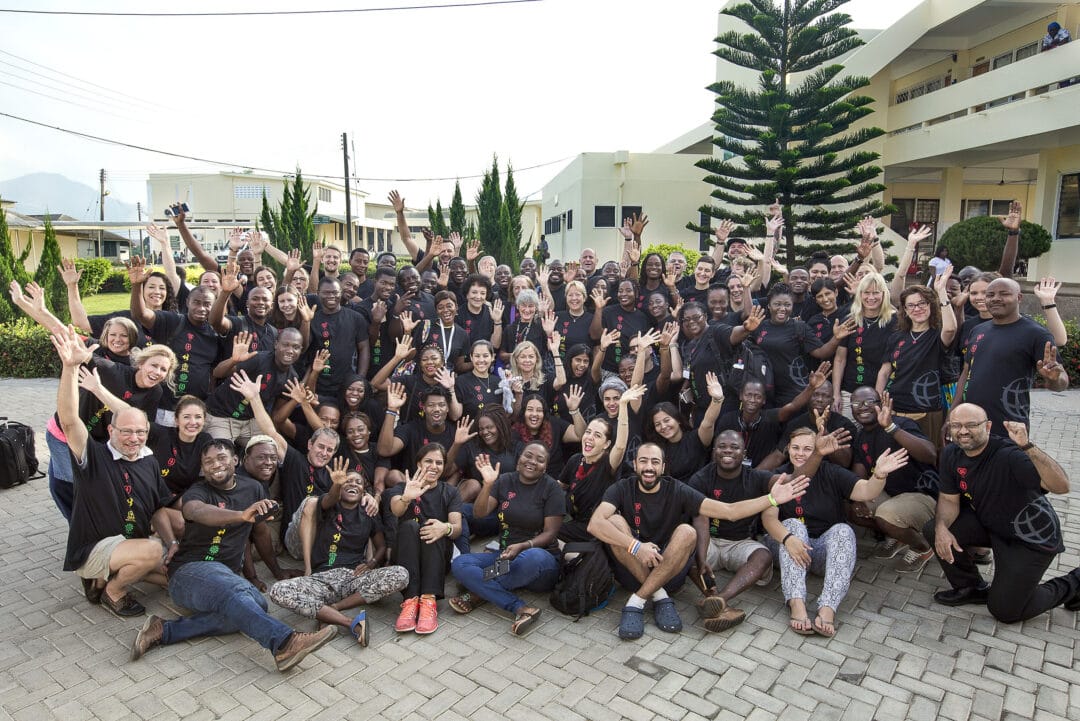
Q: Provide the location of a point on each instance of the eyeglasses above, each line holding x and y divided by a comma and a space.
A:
916, 306
972, 426
698, 317
137, 432
863, 404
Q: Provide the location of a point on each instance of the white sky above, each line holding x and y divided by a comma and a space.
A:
427, 93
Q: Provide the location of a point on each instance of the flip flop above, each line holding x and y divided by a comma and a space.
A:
801, 621
359, 629
465, 602
820, 630
525, 620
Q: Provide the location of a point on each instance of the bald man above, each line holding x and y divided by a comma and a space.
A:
993, 493
588, 262
1002, 354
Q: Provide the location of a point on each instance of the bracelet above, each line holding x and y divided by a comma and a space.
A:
784, 542
634, 547
174, 542
573, 412
665, 347
891, 428
945, 304
531, 544
1013, 232
772, 501
1026, 447
1048, 307
395, 414
449, 529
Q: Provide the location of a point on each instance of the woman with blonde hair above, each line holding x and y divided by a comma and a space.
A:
859, 356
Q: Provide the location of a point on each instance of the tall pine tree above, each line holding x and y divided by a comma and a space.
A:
292, 224
513, 209
793, 141
457, 211
489, 204
437, 220
47, 274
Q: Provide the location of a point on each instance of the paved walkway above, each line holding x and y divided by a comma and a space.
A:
895, 655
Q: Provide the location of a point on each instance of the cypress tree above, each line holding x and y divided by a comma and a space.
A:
457, 211
437, 220
513, 209
489, 205
48, 275
7, 271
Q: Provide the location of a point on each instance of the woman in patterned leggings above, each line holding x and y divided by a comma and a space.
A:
811, 534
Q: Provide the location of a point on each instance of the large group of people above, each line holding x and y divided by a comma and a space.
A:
376, 421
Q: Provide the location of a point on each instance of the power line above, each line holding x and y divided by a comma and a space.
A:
247, 13
77, 93
109, 141
64, 100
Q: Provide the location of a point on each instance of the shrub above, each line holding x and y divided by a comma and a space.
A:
116, 282
1070, 352
980, 242
26, 351
191, 274
94, 273
666, 249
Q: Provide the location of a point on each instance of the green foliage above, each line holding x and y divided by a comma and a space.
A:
192, 274
7, 271
292, 224
514, 205
457, 212
117, 282
48, 274
437, 220
488, 206
1070, 352
980, 242
666, 249
26, 351
793, 143
94, 272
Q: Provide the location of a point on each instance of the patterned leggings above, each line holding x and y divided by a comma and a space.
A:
307, 594
832, 556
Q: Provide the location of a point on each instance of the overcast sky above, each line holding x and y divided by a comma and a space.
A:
423, 94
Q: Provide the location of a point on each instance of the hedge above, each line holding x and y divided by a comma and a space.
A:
94, 273
26, 351
666, 249
1070, 351
980, 242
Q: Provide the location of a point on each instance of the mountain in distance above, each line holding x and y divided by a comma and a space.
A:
38, 193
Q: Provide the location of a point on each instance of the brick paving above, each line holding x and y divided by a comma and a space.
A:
895, 655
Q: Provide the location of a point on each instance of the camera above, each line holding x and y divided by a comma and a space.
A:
176, 209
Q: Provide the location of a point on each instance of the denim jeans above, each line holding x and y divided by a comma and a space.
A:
61, 476
534, 569
473, 526
224, 602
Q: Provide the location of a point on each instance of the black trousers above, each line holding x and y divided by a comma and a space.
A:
425, 562
1016, 593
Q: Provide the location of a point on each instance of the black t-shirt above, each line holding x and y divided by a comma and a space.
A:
198, 349
118, 379
112, 498
518, 332
299, 479
341, 537
915, 477
339, 332
522, 507
865, 353
629, 323
589, 401
821, 325
263, 336
644, 293
710, 352
97, 326
362, 463
415, 387
224, 402
653, 517
224, 544
1002, 486
573, 330
760, 438
556, 459
558, 297
749, 484
453, 342
382, 350
917, 360
788, 346
684, 458
1001, 364
585, 485
823, 504
436, 503
415, 435
506, 460
477, 326
180, 462
476, 394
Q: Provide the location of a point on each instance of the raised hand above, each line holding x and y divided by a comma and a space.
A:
774, 225
403, 346
1018, 432
714, 387
829, 443
644, 340
472, 249
237, 239
884, 410
599, 298
890, 461
230, 279
754, 319
724, 230
1012, 220
456, 241
497, 309
624, 230
242, 384
292, 263
68, 272
818, 377
574, 396
305, 311
1048, 367
137, 270
941, 282
775, 209
842, 329
89, 380
570, 270
407, 321
463, 434
445, 377
919, 234
867, 228
378, 311
297, 391
257, 242
547, 320
317, 250
241, 347
609, 338
321, 361
820, 419
160, 234
1046, 290
632, 394
488, 473
850, 281
638, 223
70, 348
554, 342
396, 397
669, 334
788, 488
396, 201
339, 471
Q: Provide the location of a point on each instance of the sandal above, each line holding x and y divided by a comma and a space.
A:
801, 626
525, 620
466, 602
359, 629
823, 627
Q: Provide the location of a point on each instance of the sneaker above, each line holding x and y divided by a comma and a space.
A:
406, 620
124, 607
724, 620
888, 549
299, 645
148, 637
982, 556
428, 618
914, 561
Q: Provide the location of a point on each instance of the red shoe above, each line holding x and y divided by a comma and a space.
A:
406, 620
429, 615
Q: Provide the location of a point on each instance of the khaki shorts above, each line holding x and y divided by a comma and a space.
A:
97, 563
730, 556
292, 534
231, 429
908, 510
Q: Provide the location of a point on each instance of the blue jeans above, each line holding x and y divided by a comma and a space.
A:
61, 476
224, 603
534, 569
472, 526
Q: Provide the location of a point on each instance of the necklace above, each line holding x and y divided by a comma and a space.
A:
915, 338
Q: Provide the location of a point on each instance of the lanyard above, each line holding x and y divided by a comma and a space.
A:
447, 343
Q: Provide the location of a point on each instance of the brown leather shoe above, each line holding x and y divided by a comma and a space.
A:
725, 619
148, 637
299, 645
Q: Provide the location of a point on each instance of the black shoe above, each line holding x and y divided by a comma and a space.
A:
125, 607
963, 596
91, 591
1073, 603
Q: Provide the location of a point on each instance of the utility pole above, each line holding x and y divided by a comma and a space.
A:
101, 214
348, 200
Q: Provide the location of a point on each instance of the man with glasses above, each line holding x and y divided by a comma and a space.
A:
993, 493
119, 493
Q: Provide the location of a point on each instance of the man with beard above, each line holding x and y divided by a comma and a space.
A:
553, 283
230, 414
993, 493
190, 336
204, 574
907, 502
1000, 356
260, 464
413, 299
341, 331
821, 417
646, 519
260, 302
374, 309
325, 263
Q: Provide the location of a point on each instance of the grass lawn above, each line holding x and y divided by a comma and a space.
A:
106, 303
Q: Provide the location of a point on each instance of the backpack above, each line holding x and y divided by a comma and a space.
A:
18, 461
747, 361
586, 583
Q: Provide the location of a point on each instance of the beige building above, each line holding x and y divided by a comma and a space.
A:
76, 238
975, 116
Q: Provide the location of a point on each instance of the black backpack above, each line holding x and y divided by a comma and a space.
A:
18, 460
587, 582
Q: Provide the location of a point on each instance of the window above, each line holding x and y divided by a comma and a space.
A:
604, 216
629, 211
547, 227
371, 238
1002, 60
250, 192
975, 208
1027, 51
569, 220
999, 207
556, 224
1068, 210
324, 195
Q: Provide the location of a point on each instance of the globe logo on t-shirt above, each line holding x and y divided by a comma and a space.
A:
799, 373
925, 390
1036, 524
927, 482
1014, 398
